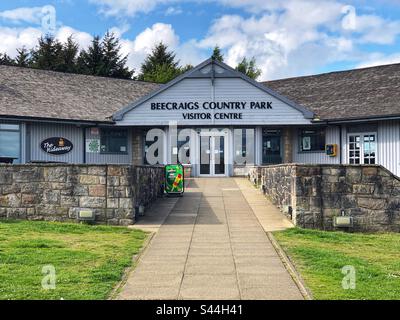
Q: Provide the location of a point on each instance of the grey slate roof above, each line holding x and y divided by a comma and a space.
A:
350, 94
359, 93
45, 94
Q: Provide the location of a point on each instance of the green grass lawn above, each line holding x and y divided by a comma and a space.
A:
88, 260
319, 256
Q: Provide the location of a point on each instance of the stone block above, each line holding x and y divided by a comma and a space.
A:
56, 174
80, 190
112, 203
126, 222
28, 200
51, 197
88, 179
363, 188
353, 175
92, 202
16, 213
370, 171
97, 170
97, 191
113, 222
112, 181
10, 200
125, 203
372, 203
12, 188
5, 177
124, 213
69, 201
114, 171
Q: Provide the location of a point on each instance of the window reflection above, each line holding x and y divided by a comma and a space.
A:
10, 141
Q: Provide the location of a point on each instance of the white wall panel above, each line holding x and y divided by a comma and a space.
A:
225, 90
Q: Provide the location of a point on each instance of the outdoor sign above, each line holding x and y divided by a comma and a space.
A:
93, 145
174, 179
56, 146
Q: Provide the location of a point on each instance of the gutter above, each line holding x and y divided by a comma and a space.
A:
354, 120
50, 120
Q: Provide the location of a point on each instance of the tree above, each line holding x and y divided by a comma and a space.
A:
91, 61
23, 58
47, 55
160, 60
114, 63
217, 55
249, 68
6, 60
161, 74
69, 56
103, 58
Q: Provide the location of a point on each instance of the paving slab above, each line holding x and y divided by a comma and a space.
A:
212, 244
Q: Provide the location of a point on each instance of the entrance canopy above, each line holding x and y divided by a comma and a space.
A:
213, 94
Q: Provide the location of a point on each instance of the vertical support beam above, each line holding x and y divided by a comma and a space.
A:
287, 136
137, 146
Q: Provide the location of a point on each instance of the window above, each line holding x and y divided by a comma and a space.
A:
362, 148
312, 140
244, 146
10, 141
271, 148
114, 141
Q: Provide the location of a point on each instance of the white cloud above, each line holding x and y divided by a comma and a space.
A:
82, 38
377, 59
128, 7
15, 38
144, 42
173, 11
29, 15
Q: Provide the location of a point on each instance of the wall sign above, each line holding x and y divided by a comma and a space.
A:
232, 110
93, 145
56, 146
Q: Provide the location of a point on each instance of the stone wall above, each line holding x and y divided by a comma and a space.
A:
312, 195
58, 192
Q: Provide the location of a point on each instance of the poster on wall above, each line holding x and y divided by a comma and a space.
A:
56, 146
93, 145
306, 143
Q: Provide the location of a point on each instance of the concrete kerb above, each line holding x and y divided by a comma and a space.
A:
290, 267
135, 260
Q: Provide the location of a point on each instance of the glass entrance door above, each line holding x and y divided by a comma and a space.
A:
362, 148
212, 155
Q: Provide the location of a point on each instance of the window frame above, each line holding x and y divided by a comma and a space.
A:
361, 157
253, 145
300, 140
19, 131
102, 130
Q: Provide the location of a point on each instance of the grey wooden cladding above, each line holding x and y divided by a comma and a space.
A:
389, 146
40, 132
99, 158
332, 137
223, 90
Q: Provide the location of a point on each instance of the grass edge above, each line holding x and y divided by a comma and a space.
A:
135, 258
291, 268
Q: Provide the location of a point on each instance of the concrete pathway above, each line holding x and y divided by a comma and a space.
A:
212, 246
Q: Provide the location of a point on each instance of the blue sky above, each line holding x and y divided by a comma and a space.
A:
287, 37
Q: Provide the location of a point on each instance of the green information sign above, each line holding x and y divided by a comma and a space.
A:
174, 179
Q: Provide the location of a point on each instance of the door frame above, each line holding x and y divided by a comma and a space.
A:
212, 135
362, 134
